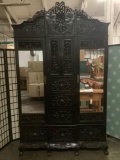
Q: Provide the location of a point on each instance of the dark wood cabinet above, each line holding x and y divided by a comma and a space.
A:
61, 33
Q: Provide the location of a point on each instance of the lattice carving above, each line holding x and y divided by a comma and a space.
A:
62, 100
62, 84
30, 45
92, 132
54, 57
67, 57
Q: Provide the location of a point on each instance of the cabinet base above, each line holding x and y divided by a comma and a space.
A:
63, 146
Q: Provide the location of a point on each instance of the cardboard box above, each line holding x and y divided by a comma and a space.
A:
36, 90
35, 77
35, 66
82, 54
23, 72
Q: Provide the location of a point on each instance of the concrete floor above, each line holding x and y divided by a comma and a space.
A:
31, 105
10, 152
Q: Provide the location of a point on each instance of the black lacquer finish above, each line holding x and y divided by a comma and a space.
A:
61, 32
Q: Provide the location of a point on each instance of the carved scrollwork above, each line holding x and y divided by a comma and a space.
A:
88, 117
93, 145
29, 29
62, 134
60, 20
32, 119
33, 133
79, 145
90, 27
92, 132
82, 15
62, 84
92, 43
61, 100
62, 116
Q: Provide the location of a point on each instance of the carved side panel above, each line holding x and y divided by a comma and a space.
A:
30, 44
59, 100
67, 57
59, 84
54, 59
92, 133
62, 134
35, 134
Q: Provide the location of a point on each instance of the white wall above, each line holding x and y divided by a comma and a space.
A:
39, 56
24, 57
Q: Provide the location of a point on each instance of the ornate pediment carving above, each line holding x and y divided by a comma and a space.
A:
60, 20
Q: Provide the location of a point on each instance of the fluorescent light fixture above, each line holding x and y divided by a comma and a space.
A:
100, 0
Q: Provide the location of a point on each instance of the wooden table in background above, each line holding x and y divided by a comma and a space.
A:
96, 96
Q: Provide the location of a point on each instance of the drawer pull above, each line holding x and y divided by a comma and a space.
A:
34, 134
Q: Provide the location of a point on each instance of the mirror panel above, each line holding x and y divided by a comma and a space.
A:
91, 80
31, 81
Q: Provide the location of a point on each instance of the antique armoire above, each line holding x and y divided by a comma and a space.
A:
61, 33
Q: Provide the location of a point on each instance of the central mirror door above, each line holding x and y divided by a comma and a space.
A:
31, 81
91, 80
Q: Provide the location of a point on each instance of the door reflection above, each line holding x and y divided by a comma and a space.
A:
31, 81
91, 80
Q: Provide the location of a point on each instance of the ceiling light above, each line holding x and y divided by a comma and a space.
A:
100, 0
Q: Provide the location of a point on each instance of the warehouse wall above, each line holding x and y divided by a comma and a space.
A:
113, 92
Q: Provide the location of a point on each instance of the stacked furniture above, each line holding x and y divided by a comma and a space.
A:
35, 79
60, 33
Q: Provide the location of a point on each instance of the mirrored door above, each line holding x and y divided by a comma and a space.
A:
32, 81
91, 80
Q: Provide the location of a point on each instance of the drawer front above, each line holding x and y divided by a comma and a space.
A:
85, 97
33, 134
32, 119
92, 132
60, 84
62, 116
92, 118
62, 100
62, 134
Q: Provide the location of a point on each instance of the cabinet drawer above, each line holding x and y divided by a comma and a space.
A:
92, 132
33, 134
62, 133
62, 100
62, 116
60, 84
